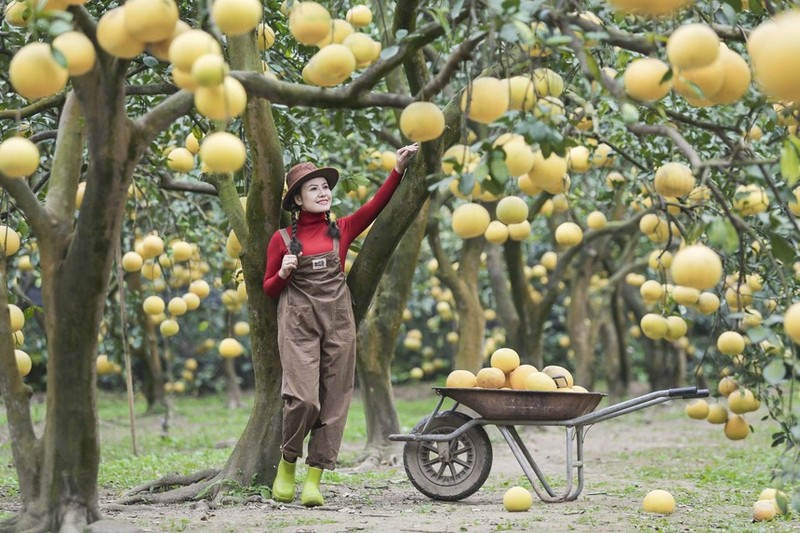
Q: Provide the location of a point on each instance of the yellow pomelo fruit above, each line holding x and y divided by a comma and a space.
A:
685, 295
19, 157
330, 66
17, 318
24, 264
549, 260
696, 266
791, 322
113, 35
521, 95
658, 501
654, 326
192, 144
764, 511
742, 401
488, 99
160, 49
15, 13
34, 72
540, 381
547, 83
676, 328
651, 290
24, 363
527, 186
659, 259
750, 200
422, 121
103, 365
470, 220
692, 46
490, 378
561, 376
230, 348
548, 108
643, 79
519, 375
772, 47
309, 22
223, 152
339, 30
698, 409
707, 80
674, 179
578, 159
177, 306
180, 160
547, 172
169, 327
221, 102
359, 16
496, 232
9, 241
192, 301
730, 343
736, 77
152, 245
188, 46
361, 46
132, 262
265, 36
78, 50
209, 70
181, 251
511, 210
461, 379
200, 288
727, 385
717, 414
568, 234
596, 220
737, 428
236, 17
518, 232
457, 158
517, 499
519, 157
650, 8
241, 328
707, 303
184, 80
506, 359
578, 388
153, 305
150, 21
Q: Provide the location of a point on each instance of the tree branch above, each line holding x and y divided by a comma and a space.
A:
152, 89
462, 53
34, 108
66, 168
161, 116
167, 182
674, 135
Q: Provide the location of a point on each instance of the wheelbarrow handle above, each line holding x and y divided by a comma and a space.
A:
688, 392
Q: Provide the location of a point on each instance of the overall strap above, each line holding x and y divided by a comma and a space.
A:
285, 235
336, 246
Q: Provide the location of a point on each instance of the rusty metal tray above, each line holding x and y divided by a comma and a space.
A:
510, 404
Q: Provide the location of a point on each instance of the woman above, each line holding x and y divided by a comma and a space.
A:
316, 326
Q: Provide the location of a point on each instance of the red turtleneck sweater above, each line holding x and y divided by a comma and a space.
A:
312, 230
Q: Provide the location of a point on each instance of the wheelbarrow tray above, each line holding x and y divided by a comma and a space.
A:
511, 404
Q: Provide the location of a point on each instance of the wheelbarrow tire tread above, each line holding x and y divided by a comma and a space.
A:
428, 473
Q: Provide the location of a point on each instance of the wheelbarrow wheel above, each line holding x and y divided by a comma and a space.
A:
450, 470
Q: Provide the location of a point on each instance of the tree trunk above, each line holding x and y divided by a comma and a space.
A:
377, 338
506, 312
232, 384
578, 327
531, 319
147, 353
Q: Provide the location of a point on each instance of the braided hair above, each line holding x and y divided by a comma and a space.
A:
333, 229
295, 246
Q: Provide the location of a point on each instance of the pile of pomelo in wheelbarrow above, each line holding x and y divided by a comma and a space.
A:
506, 372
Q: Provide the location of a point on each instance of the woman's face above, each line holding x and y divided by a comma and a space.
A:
315, 196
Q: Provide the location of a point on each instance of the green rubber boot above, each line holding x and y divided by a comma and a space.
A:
283, 487
311, 496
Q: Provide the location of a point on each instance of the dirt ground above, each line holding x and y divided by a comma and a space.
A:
616, 451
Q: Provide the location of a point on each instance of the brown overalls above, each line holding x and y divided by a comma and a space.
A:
317, 344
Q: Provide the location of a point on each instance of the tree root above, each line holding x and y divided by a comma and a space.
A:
173, 488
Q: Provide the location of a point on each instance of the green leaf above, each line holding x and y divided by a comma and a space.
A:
790, 162
774, 372
722, 235
497, 166
150, 61
466, 184
782, 249
509, 32
57, 27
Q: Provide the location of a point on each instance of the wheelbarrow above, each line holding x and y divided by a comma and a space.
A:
448, 455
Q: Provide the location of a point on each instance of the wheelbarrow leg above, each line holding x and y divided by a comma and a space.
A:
533, 472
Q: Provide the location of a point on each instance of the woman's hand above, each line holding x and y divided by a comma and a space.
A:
288, 265
404, 156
